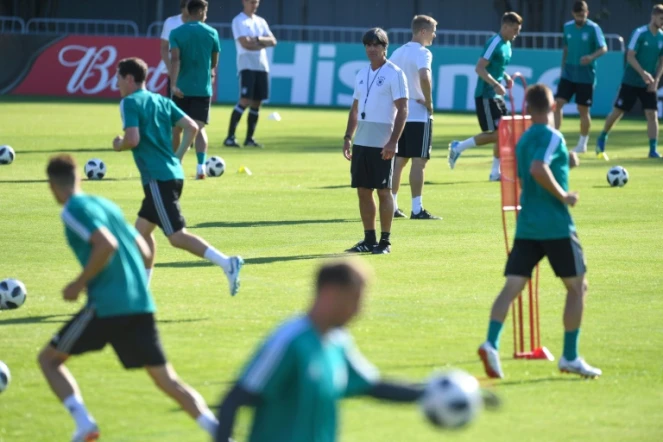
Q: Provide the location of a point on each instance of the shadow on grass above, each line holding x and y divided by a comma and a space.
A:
46, 319
270, 223
46, 181
517, 383
83, 149
180, 321
259, 260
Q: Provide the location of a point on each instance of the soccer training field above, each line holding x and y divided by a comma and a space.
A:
428, 308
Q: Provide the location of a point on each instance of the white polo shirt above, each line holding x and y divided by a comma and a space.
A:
376, 91
171, 23
410, 58
245, 26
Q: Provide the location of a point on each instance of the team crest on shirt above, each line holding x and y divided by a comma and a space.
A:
585, 36
380, 81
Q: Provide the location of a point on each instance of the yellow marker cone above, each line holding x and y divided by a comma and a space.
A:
243, 169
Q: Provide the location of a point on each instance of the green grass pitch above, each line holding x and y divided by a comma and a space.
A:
427, 310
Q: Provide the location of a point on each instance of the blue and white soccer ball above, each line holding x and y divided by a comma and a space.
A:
12, 294
215, 166
7, 155
452, 399
5, 376
95, 169
617, 176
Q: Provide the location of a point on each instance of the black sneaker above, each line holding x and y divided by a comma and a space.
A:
361, 247
398, 213
231, 142
382, 248
424, 214
252, 143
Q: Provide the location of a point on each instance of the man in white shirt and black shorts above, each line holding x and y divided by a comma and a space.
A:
416, 142
252, 35
378, 114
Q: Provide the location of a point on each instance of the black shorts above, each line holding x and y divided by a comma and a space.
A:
629, 94
134, 338
195, 107
564, 255
161, 205
254, 85
369, 170
584, 92
490, 111
416, 140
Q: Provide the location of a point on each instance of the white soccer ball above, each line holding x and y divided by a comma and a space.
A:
12, 294
7, 155
215, 166
452, 399
5, 376
617, 176
95, 169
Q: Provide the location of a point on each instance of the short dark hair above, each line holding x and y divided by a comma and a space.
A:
196, 5
375, 35
580, 6
657, 10
133, 66
512, 18
183, 3
539, 98
61, 170
345, 273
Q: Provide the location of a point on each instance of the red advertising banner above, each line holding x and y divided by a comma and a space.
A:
84, 66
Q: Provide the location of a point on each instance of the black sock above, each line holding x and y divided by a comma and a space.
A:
253, 122
369, 237
234, 119
384, 236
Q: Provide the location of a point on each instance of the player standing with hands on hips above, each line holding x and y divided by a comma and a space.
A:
378, 114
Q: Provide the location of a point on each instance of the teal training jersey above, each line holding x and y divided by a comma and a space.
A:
121, 287
196, 42
300, 376
579, 42
498, 53
542, 216
154, 116
648, 48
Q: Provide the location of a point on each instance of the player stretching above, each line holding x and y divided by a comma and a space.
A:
307, 365
544, 228
147, 119
583, 44
644, 67
489, 92
119, 309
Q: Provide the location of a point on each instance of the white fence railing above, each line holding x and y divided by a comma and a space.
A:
11, 24
82, 26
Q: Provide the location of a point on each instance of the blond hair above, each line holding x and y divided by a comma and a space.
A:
421, 22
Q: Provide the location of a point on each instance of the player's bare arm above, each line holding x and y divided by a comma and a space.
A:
574, 160
544, 177
129, 141
189, 131
103, 244
266, 41
250, 43
350, 130
427, 88
389, 150
214, 63
587, 59
653, 87
482, 72
165, 54
630, 59
175, 71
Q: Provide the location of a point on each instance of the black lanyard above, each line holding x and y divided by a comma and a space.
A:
368, 88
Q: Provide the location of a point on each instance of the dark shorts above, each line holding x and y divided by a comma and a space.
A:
369, 170
254, 85
564, 255
490, 111
584, 92
134, 338
161, 205
416, 140
629, 94
195, 107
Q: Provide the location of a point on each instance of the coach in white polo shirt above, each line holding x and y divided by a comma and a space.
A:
378, 114
416, 142
252, 36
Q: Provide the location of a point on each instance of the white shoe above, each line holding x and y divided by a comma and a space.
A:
236, 263
88, 434
491, 360
494, 176
579, 366
453, 154
580, 149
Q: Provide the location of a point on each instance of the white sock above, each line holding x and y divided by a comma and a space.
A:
416, 205
395, 195
207, 421
201, 169
218, 258
496, 166
583, 140
466, 144
78, 411
148, 273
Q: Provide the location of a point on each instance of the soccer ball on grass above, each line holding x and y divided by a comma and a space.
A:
452, 399
95, 169
617, 176
7, 155
12, 294
215, 166
5, 376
